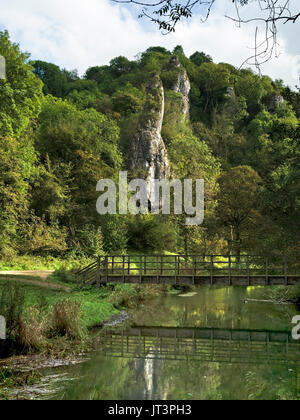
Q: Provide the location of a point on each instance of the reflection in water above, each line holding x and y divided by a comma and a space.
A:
149, 373
211, 346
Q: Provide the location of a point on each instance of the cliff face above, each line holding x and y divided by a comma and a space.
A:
149, 155
275, 101
182, 85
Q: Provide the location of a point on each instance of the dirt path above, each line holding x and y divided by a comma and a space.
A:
33, 273
43, 275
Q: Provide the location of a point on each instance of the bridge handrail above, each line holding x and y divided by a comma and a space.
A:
86, 268
191, 265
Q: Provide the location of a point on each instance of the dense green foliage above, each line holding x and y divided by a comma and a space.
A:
60, 134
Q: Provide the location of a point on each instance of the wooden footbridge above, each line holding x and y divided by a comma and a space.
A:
214, 270
202, 344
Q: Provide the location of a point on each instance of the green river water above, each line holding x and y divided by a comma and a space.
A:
142, 368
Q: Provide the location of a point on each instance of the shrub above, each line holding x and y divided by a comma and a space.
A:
90, 240
66, 319
12, 307
129, 296
114, 233
64, 276
153, 233
26, 329
32, 330
40, 238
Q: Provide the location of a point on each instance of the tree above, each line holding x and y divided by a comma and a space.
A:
192, 159
282, 198
13, 193
200, 58
120, 65
223, 138
270, 138
64, 130
149, 232
77, 149
20, 92
53, 78
128, 100
239, 206
212, 80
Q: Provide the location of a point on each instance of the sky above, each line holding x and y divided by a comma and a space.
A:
76, 34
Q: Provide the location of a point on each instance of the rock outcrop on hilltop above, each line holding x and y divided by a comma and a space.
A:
181, 85
148, 157
275, 101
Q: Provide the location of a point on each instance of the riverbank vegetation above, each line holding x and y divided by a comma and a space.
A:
56, 324
44, 320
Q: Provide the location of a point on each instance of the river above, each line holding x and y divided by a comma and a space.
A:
210, 344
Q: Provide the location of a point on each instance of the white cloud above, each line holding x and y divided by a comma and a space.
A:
77, 34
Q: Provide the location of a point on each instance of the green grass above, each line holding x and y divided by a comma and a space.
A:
94, 307
29, 262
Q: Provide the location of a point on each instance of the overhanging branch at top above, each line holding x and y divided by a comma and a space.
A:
168, 13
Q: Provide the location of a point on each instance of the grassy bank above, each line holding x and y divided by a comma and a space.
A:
55, 323
37, 316
95, 309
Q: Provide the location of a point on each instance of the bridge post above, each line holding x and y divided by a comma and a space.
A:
123, 268
211, 270
176, 268
285, 271
229, 263
106, 268
141, 268
98, 271
248, 270
194, 269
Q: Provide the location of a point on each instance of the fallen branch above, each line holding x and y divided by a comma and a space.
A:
269, 301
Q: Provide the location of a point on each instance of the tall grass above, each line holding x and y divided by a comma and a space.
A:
29, 328
66, 319
33, 330
12, 302
130, 296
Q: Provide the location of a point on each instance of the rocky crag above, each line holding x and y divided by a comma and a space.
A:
148, 156
181, 85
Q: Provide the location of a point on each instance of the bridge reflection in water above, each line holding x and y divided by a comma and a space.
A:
207, 345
